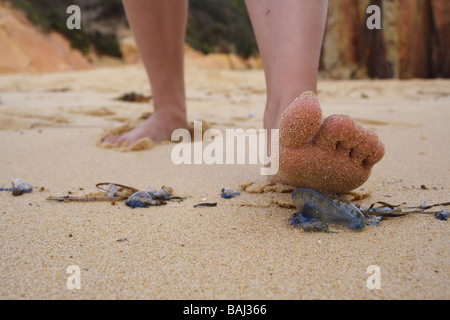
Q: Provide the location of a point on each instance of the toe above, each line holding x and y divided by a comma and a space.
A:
115, 141
301, 120
110, 140
122, 142
340, 132
375, 156
370, 151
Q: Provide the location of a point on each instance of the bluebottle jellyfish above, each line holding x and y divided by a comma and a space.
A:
315, 211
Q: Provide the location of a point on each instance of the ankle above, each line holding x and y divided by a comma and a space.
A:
276, 104
272, 116
274, 109
171, 116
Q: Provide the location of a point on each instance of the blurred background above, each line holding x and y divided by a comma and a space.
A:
413, 41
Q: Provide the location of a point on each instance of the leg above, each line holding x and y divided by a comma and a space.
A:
334, 155
289, 35
159, 28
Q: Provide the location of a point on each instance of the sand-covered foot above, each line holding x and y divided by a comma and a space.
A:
158, 127
335, 155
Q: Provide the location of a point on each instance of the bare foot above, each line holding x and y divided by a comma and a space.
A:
158, 127
335, 155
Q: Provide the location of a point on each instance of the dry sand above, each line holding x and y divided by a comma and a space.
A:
241, 249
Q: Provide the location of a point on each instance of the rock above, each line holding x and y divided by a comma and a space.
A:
412, 42
24, 48
440, 46
127, 45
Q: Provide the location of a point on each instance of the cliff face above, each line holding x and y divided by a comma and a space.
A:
440, 43
23, 48
412, 41
340, 55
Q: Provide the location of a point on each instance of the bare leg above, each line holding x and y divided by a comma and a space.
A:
289, 35
334, 155
159, 29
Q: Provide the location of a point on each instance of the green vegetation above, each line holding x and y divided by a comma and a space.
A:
51, 15
213, 26
220, 26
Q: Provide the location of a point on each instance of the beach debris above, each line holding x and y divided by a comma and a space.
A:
134, 198
315, 211
150, 189
443, 214
362, 207
169, 189
364, 95
384, 210
206, 204
423, 202
388, 210
308, 224
134, 97
373, 220
84, 199
19, 187
112, 190
121, 239
19, 184
140, 199
120, 190
143, 199
160, 195
228, 193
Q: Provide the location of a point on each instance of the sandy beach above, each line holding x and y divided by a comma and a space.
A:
241, 249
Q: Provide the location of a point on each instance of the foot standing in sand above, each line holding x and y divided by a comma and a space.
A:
335, 154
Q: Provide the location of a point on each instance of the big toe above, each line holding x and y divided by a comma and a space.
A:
301, 120
115, 141
110, 140
341, 133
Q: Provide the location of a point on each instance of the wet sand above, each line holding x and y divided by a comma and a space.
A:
243, 247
